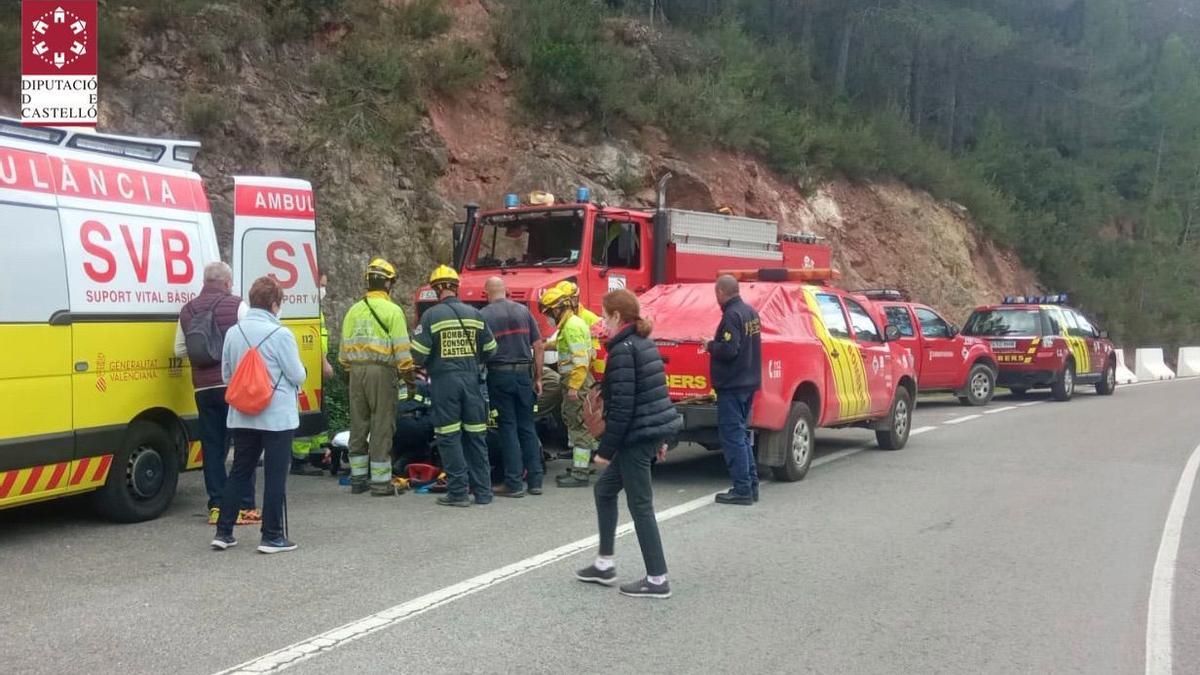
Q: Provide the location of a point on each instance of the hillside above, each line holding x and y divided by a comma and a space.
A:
399, 120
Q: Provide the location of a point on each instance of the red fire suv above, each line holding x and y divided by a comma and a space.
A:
1040, 342
829, 360
946, 360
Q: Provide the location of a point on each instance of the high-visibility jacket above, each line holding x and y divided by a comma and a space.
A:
589, 317
324, 335
574, 350
375, 332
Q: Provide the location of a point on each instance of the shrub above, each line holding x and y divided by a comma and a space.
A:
453, 68
422, 19
203, 113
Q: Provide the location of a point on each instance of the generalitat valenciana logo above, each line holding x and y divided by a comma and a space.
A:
59, 62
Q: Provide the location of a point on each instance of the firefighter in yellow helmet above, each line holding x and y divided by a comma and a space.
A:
375, 350
571, 290
575, 353
453, 343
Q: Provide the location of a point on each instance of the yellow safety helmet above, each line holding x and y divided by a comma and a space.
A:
443, 275
567, 288
553, 297
378, 267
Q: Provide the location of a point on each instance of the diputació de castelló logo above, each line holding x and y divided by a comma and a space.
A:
59, 40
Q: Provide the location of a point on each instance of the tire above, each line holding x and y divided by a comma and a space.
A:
1064, 385
1108, 385
143, 477
981, 385
896, 437
798, 440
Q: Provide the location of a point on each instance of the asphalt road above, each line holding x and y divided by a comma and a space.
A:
1021, 540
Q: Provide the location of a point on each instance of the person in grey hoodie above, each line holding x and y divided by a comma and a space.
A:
270, 432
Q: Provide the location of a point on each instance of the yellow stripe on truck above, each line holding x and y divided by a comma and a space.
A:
849, 370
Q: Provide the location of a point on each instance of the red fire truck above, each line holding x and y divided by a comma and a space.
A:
545, 240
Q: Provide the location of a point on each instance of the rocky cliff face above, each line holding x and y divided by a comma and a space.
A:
474, 147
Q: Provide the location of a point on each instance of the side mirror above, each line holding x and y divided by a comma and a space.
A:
891, 333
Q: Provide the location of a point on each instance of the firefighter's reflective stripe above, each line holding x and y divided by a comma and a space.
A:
848, 369
449, 428
48, 480
454, 323
381, 472
358, 465
195, 457
475, 428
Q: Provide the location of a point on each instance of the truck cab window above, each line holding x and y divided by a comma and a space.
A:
898, 317
616, 245
832, 316
865, 329
536, 239
932, 325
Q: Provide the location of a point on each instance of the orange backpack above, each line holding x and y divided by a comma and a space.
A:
250, 389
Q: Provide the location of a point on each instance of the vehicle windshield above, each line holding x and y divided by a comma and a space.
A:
539, 239
998, 322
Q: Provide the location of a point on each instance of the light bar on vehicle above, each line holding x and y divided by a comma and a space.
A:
1052, 299
784, 274
119, 148
511, 200
14, 129
883, 294
582, 194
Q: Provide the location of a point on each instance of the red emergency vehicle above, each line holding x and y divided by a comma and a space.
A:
1041, 342
829, 360
537, 244
946, 360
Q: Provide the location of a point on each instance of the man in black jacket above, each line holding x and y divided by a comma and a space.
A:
736, 353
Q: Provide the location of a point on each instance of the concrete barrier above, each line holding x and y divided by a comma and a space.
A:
1124, 374
1189, 362
1149, 365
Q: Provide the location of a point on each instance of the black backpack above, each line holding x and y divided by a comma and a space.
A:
204, 339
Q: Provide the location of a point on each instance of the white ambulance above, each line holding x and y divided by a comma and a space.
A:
102, 239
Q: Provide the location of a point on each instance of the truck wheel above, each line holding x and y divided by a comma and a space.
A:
1108, 385
981, 386
143, 477
1064, 385
896, 437
797, 438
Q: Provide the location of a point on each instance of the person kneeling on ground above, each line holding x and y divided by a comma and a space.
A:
639, 419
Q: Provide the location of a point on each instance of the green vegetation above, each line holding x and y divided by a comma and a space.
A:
203, 113
1071, 130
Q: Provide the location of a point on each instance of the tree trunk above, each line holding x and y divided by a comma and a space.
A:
843, 63
916, 93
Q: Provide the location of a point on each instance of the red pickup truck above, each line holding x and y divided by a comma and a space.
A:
946, 360
829, 360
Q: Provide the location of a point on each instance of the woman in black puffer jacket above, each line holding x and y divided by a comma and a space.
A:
639, 419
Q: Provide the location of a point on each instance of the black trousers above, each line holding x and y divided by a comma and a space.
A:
630, 470
248, 446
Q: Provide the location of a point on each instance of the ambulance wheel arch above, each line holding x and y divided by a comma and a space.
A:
145, 469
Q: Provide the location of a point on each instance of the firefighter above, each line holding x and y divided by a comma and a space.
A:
574, 347
453, 343
375, 351
308, 454
594, 324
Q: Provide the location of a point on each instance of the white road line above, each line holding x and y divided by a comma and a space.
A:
960, 420
330, 640
993, 411
920, 430
1158, 613
1026, 405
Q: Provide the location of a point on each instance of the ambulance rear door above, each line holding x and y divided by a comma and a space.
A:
275, 234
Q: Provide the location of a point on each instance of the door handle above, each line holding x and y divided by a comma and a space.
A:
81, 366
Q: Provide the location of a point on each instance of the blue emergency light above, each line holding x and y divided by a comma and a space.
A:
582, 194
1053, 299
511, 200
